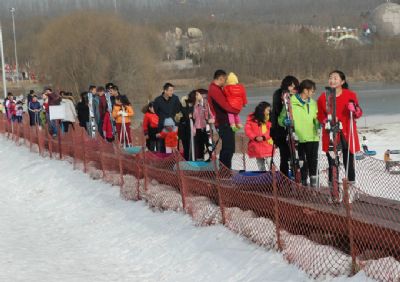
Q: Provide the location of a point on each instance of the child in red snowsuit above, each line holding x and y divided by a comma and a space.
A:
170, 134
236, 96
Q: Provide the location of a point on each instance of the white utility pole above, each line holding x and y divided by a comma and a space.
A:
3, 64
12, 10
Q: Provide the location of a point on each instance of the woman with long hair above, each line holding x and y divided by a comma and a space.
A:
258, 129
347, 111
279, 133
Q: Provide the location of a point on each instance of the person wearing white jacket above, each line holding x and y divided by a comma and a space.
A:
70, 111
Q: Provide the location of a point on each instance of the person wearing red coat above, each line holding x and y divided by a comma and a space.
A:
220, 108
235, 93
346, 102
258, 129
103, 108
11, 109
107, 127
170, 135
150, 127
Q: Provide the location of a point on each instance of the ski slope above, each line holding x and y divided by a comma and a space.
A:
57, 224
382, 137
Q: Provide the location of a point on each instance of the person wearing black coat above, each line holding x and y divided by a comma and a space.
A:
82, 110
279, 133
184, 126
167, 105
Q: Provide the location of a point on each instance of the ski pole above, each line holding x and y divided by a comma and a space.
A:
123, 129
319, 159
272, 157
348, 146
354, 143
192, 140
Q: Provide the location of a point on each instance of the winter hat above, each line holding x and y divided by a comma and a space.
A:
169, 122
232, 79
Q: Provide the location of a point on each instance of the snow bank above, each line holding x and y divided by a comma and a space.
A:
317, 260
163, 197
128, 191
204, 211
387, 269
112, 178
260, 230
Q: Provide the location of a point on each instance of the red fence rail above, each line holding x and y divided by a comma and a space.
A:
324, 240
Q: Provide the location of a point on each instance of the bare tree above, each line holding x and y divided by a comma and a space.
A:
87, 47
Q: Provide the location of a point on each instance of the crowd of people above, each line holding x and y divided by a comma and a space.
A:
189, 122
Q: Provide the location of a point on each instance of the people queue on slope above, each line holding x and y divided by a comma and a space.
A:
190, 120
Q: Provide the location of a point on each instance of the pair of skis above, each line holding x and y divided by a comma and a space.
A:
295, 163
92, 120
333, 128
124, 136
109, 108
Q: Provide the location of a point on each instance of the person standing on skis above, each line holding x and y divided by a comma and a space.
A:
306, 125
346, 103
279, 133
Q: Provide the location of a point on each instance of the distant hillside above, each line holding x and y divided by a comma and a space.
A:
319, 12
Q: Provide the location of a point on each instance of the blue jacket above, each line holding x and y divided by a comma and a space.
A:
34, 106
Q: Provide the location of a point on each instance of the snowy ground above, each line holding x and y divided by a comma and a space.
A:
59, 225
382, 137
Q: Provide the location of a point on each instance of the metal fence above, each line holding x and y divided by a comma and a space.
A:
323, 239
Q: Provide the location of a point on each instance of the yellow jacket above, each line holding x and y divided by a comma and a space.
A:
127, 109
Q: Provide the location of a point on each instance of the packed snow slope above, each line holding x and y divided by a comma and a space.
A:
57, 224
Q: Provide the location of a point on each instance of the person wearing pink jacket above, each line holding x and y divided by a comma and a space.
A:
257, 129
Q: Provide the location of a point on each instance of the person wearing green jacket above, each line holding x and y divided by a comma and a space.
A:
306, 126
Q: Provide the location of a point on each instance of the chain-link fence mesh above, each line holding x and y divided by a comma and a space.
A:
325, 239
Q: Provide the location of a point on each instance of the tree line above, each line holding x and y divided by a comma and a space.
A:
93, 47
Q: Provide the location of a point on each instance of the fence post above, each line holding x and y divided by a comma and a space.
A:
145, 176
49, 143
139, 171
39, 140
217, 178
16, 135
139, 158
349, 226
102, 144
180, 178
121, 168
84, 151
74, 147
243, 152
276, 209
59, 138
30, 137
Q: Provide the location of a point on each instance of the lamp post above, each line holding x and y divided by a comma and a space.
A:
12, 10
115, 6
3, 64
